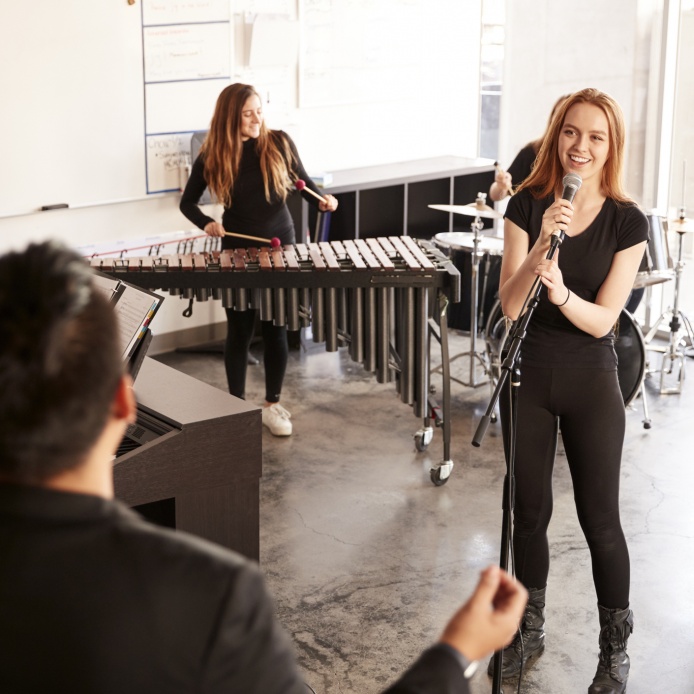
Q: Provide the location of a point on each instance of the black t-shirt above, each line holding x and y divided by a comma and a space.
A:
522, 165
585, 261
250, 213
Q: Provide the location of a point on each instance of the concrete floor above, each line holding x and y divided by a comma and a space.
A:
367, 559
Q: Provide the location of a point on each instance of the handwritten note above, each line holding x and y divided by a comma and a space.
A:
186, 52
167, 157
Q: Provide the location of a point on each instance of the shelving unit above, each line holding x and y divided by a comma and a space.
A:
393, 199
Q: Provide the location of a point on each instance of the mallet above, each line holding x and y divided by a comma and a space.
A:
301, 185
274, 241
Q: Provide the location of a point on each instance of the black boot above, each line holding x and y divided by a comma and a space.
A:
613, 668
533, 636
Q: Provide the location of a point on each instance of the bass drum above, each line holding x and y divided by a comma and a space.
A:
631, 356
629, 346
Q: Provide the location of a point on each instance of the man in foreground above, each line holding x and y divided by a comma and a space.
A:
93, 598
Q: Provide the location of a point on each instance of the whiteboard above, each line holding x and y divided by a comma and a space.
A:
72, 111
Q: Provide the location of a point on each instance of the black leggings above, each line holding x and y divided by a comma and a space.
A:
588, 406
240, 329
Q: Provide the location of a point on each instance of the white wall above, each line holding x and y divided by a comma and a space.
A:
553, 48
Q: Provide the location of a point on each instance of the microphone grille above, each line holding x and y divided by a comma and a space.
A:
573, 180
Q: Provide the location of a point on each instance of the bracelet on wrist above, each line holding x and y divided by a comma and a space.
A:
568, 295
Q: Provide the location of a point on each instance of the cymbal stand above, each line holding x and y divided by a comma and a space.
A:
673, 353
473, 354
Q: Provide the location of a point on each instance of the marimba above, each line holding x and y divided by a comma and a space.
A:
381, 297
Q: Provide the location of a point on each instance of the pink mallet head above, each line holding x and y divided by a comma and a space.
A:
275, 242
300, 185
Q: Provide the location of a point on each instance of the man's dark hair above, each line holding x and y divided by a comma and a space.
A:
60, 362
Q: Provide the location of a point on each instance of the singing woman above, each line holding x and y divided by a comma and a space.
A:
568, 366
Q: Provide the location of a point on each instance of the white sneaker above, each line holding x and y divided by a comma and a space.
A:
276, 419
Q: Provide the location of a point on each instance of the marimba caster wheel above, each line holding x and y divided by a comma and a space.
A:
439, 475
423, 438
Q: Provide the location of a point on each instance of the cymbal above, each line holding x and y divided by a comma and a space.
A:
680, 225
649, 279
474, 209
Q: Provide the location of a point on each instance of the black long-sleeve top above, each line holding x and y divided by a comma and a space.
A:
250, 213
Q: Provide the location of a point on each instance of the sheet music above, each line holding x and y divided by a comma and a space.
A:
106, 285
134, 310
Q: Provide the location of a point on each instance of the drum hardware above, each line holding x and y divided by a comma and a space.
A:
478, 209
656, 265
674, 352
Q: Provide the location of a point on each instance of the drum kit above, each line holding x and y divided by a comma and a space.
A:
468, 250
478, 257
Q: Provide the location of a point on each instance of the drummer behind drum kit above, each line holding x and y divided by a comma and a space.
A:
478, 258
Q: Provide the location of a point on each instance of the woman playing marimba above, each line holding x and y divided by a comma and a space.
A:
249, 169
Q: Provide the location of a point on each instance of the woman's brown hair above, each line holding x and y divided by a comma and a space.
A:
223, 147
547, 172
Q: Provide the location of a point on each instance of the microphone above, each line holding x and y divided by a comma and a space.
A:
572, 182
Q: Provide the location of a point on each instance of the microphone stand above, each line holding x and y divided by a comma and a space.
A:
510, 367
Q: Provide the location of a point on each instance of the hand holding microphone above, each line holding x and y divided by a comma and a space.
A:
554, 223
558, 215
